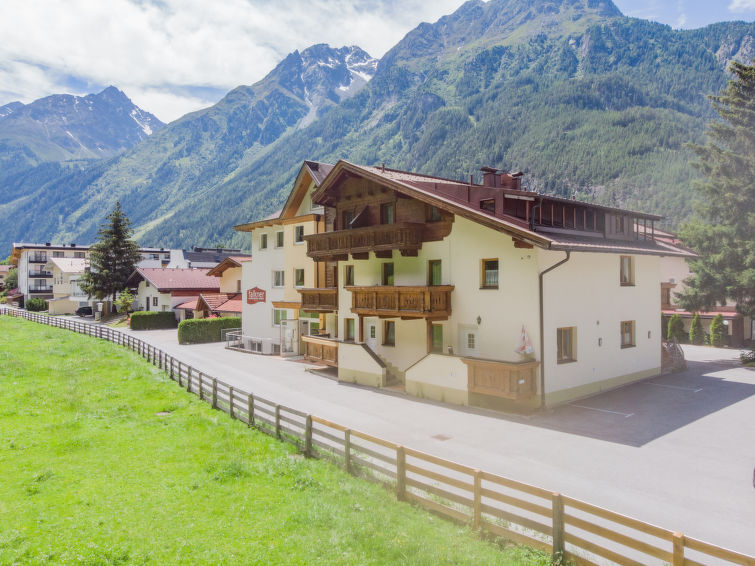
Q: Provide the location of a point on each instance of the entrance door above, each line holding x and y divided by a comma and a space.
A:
372, 335
147, 302
468, 341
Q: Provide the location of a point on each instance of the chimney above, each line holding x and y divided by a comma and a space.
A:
490, 177
47, 244
512, 180
73, 245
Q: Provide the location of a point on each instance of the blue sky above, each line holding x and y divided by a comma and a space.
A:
175, 56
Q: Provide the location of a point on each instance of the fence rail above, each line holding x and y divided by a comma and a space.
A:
568, 528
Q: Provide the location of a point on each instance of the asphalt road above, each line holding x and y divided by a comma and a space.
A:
677, 451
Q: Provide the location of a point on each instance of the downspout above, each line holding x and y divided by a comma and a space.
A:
542, 329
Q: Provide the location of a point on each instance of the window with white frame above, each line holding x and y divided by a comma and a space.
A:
278, 315
298, 277
279, 278
298, 234
263, 241
279, 239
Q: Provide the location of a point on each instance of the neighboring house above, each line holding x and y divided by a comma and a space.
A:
162, 289
34, 279
67, 295
434, 283
210, 257
272, 321
674, 270
4, 269
228, 302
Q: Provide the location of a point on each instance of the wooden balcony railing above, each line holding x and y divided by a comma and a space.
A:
320, 350
319, 300
405, 237
511, 380
388, 300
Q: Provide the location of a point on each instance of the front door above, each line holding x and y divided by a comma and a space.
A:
372, 335
468, 341
147, 302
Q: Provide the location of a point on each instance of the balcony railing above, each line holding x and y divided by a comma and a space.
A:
388, 300
319, 300
383, 237
47, 289
510, 380
40, 274
320, 350
37, 258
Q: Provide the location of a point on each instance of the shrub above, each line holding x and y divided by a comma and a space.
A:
36, 304
747, 357
696, 335
148, 320
199, 330
675, 328
717, 331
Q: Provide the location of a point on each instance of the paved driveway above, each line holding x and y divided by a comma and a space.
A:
677, 451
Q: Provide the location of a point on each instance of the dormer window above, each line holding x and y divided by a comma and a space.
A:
387, 213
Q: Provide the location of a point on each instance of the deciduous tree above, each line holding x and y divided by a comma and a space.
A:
724, 236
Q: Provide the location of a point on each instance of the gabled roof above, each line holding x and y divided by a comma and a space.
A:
445, 194
191, 304
221, 302
166, 280
228, 263
70, 264
309, 171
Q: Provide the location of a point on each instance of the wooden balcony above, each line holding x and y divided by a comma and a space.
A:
320, 350
406, 237
319, 300
401, 301
510, 380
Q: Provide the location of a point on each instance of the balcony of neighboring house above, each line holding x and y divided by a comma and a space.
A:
40, 289
427, 301
40, 274
319, 300
406, 237
37, 258
320, 350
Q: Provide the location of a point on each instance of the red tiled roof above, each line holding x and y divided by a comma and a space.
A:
726, 312
165, 280
222, 302
234, 305
227, 263
188, 305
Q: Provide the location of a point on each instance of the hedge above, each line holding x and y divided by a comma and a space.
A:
199, 330
36, 304
148, 320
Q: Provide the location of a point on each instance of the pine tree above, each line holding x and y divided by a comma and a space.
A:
717, 331
675, 328
725, 235
112, 258
696, 335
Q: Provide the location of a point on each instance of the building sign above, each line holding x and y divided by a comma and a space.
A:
255, 295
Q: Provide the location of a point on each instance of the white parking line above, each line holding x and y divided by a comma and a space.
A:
625, 415
677, 387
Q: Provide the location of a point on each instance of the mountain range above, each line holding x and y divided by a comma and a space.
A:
588, 102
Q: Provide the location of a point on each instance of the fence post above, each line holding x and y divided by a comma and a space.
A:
278, 421
347, 449
678, 541
171, 369
400, 473
250, 410
558, 529
308, 437
201, 393
188, 378
214, 393
230, 401
477, 509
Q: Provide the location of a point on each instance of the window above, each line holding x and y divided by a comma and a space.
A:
348, 329
666, 296
387, 213
436, 338
433, 272
298, 277
471, 338
619, 224
489, 277
348, 275
298, 234
278, 315
627, 333
565, 344
488, 205
279, 239
433, 214
238, 285
626, 275
346, 217
154, 301
278, 278
389, 333
263, 241
372, 331
387, 274
58, 254
79, 255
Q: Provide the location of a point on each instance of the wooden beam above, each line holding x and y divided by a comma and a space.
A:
360, 255
361, 328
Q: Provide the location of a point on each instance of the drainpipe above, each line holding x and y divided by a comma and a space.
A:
542, 329
536, 206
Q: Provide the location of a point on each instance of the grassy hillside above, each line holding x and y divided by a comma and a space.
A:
104, 461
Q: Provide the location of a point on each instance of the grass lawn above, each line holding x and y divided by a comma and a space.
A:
91, 473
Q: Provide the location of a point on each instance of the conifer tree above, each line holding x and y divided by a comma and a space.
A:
725, 235
717, 331
675, 328
696, 330
112, 258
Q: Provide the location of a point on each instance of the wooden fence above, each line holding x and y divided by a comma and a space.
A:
571, 530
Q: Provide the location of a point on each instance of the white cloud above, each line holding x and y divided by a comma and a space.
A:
741, 5
155, 49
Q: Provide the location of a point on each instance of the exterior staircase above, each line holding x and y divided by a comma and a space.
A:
393, 375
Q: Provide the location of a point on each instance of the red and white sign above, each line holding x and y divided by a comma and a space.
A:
256, 295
